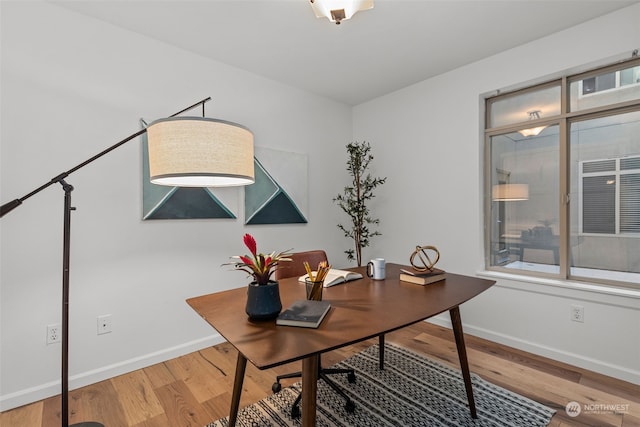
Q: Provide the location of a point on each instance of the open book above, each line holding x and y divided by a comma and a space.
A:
334, 277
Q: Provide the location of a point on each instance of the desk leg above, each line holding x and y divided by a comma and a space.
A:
381, 351
241, 366
309, 390
456, 321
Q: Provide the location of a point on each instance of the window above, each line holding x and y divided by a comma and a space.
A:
598, 83
610, 196
630, 76
611, 80
602, 88
562, 178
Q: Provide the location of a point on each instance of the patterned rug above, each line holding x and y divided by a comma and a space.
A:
411, 391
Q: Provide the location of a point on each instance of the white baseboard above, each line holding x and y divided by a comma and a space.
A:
594, 365
43, 391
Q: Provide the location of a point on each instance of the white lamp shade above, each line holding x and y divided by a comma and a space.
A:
510, 192
200, 152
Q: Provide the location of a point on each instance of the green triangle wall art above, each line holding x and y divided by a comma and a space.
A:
279, 194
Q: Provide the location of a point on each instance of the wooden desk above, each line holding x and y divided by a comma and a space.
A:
361, 309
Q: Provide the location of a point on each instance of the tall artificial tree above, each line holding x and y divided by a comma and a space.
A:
353, 200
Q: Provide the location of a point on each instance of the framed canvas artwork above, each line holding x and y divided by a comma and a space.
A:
279, 195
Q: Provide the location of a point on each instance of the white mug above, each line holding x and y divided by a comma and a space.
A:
376, 269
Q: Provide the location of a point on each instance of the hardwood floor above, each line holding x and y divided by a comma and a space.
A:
195, 389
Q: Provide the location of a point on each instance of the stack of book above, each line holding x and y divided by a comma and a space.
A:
422, 277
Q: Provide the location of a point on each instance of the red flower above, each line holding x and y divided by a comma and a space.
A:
250, 243
256, 264
246, 260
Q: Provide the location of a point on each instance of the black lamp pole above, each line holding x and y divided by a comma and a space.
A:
66, 256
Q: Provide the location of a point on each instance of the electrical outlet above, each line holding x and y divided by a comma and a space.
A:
53, 333
104, 324
577, 313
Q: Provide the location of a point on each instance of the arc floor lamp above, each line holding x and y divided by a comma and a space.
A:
183, 151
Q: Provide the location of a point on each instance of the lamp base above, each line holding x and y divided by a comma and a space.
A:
87, 424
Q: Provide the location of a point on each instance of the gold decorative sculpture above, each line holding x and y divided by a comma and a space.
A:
422, 252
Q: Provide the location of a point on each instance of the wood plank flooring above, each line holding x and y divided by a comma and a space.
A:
195, 389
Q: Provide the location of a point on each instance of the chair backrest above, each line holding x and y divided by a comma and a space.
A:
295, 267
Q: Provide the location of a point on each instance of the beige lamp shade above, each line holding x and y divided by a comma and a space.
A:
200, 152
510, 192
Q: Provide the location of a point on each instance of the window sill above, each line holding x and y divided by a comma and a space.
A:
558, 284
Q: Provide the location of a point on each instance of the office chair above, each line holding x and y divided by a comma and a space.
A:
295, 268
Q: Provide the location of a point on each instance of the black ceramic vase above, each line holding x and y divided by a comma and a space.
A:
263, 301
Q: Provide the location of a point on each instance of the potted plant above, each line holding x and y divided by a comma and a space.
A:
353, 200
263, 294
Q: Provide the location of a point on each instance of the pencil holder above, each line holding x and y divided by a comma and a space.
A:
314, 289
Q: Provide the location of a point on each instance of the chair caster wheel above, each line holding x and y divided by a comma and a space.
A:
276, 387
350, 407
351, 377
295, 412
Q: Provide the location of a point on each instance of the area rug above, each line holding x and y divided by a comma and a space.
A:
412, 390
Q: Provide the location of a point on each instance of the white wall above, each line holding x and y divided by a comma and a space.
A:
431, 134
72, 86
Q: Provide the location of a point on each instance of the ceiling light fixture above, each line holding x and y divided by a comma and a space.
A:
339, 10
533, 115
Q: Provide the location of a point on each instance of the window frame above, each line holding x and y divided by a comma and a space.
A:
564, 119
